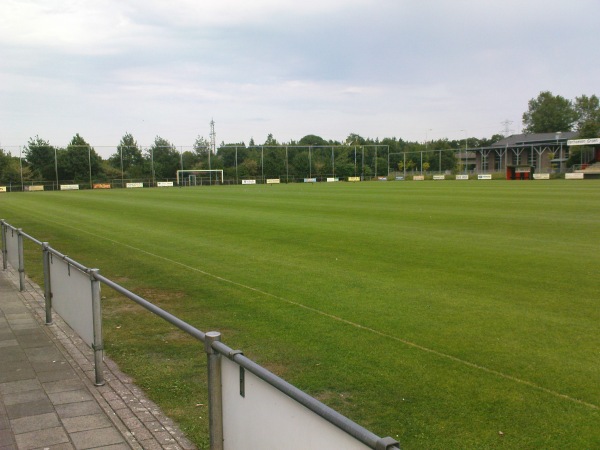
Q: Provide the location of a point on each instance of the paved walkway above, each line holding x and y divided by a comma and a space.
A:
48, 399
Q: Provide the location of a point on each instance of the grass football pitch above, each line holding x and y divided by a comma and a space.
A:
444, 314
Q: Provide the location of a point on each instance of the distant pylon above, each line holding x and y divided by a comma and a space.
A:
506, 130
213, 138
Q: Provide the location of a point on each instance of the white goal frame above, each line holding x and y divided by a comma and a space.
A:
200, 171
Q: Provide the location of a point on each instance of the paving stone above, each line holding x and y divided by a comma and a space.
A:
96, 438
29, 409
24, 397
65, 373
46, 385
35, 423
77, 396
41, 438
77, 409
7, 440
12, 353
43, 354
63, 385
83, 423
13, 387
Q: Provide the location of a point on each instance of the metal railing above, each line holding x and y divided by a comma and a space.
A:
12, 242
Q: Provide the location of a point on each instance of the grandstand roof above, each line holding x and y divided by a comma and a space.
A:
535, 138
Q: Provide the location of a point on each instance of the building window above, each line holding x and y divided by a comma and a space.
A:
532, 158
498, 164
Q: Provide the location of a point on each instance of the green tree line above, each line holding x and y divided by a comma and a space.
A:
309, 156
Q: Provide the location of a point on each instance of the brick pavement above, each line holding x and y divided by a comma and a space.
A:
48, 399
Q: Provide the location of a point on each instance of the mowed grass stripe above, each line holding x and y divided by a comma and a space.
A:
478, 272
340, 319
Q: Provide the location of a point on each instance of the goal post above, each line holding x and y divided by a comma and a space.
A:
218, 172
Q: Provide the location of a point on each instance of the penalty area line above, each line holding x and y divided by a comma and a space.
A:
349, 322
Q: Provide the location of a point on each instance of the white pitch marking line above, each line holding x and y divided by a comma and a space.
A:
348, 322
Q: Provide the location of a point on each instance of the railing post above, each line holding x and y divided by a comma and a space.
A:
4, 251
98, 344
215, 397
21, 260
47, 283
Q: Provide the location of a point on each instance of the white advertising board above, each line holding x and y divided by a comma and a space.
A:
354, 179
69, 187
593, 141
419, 178
484, 176
2, 188
462, 177
265, 418
134, 185
248, 181
12, 247
574, 176
72, 297
541, 176
439, 177
273, 181
165, 184
310, 180
332, 179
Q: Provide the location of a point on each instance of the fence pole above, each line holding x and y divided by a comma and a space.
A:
4, 251
21, 260
98, 344
215, 397
47, 281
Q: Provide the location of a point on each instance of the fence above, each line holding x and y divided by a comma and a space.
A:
249, 407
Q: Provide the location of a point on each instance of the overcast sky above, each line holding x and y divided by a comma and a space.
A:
381, 68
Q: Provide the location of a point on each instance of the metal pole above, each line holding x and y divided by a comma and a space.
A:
404, 166
47, 283
21, 166
4, 251
90, 164
56, 167
388, 164
333, 161
122, 171
21, 260
98, 345
215, 395
152, 161
181, 161
287, 165
236, 166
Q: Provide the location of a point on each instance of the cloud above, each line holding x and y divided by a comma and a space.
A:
377, 67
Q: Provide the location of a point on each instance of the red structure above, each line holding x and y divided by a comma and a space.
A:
520, 172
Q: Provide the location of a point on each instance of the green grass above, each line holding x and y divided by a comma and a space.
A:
438, 313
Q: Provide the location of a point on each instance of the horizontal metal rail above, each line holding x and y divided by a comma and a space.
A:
184, 326
348, 426
353, 429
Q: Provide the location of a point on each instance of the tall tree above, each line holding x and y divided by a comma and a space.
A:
129, 155
79, 161
41, 157
588, 116
312, 139
549, 113
165, 157
10, 169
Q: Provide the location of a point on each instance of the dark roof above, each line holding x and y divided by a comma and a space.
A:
535, 138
